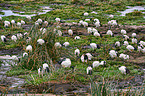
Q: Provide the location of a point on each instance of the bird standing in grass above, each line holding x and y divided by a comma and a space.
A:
46, 67
40, 71
124, 70
14, 38
65, 62
77, 52
89, 70
3, 38
29, 48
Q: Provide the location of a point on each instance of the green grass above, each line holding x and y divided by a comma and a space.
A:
28, 66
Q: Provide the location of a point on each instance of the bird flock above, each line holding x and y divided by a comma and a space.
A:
85, 57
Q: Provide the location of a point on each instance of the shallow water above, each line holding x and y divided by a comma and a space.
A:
10, 12
131, 9
13, 83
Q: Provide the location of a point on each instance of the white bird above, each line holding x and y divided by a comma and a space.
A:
96, 34
39, 21
44, 31
45, 67
40, 71
84, 58
14, 57
139, 48
77, 52
70, 32
25, 54
29, 48
7, 22
96, 20
57, 45
13, 21
57, 19
94, 30
40, 41
89, 70
133, 35
97, 24
124, 56
130, 48
95, 64
19, 35
125, 37
86, 14
113, 53
103, 63
28, 17
89, 56
126, 43
77, 37
111, 16
123, 32
124, 70
81, 21
3, 38
18, 24
142, 43
14, 38
117, 44
87, 19
85, 24
94, 46
109, 32
66, 44
59, 33
89, 29
65, 62
22, 22
134, 40
45, 23
112, 22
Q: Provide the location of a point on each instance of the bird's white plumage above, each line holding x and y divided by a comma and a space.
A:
122, 69
3, 37
133, 35
134, 40
57, 45
77, 52
22, 22
13, 21
86, 14
96, 34
113, 53
89, 68
70, 32
29, 48
130, 48
40, 41
95, 64
97, 24
45, 65
57, 19
126, 43
124, 56
25, 54
89, 29
66, 44
109, 32
93, 45
117, 44
66, 63
123, 32
89, 56
19, 35
14, 38
18, 24
77, 37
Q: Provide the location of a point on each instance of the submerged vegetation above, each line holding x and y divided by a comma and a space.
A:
47, 28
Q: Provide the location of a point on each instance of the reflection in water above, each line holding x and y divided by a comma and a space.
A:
10, 12
131, 9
